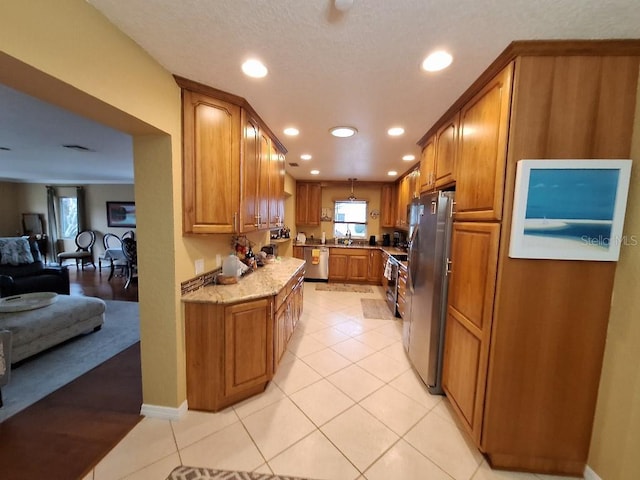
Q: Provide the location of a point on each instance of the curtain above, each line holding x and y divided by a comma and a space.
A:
82, 209
52, 223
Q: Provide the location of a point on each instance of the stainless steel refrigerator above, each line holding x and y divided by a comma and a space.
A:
429, 249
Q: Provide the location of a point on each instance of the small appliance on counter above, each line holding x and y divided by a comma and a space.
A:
271, 249
386, 240
372, 240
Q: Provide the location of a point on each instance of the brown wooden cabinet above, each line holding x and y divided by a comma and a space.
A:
229, 352
308, 201
289, 309
376, 266
525, 338
248, 342
387, 206
229, 185
298, 252
446, 150
484, 123
250, 173
401, 299
211, 162
428, 165
232, 350
474, 250
353, 264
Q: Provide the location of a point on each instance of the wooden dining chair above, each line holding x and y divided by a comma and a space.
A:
130, 250
113, 254
83, 254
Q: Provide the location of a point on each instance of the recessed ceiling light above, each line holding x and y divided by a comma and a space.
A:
315, 172
343, 132
436, 61
254, 68
392, 173
409, 158
291, 131
305, 156
395, 131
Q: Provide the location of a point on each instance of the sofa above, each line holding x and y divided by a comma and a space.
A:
23, 271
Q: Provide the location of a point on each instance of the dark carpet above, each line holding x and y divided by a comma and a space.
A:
64, 435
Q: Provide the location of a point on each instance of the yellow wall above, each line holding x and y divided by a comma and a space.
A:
332, 193
615, 443
67, 53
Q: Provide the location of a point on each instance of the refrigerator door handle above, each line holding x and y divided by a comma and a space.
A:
449, 264
413, 262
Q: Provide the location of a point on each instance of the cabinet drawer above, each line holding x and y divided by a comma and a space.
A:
402, 306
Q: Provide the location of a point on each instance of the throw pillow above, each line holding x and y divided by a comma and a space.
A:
15, 251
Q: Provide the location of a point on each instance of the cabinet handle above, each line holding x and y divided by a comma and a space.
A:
449, 268
235, 222
453, 208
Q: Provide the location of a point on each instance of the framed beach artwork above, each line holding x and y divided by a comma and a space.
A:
569, 209
121, 214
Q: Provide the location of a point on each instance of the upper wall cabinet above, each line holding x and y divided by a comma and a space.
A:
482, 151
211, 164
446, 150
428, 165
232, 180
308, 201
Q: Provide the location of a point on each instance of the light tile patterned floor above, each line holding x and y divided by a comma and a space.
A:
344, 404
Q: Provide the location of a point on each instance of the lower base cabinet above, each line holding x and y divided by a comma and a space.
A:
232, 351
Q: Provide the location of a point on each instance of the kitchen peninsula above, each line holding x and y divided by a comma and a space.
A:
235, 335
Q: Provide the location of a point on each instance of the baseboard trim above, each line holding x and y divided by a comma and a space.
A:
165, 413
590, 474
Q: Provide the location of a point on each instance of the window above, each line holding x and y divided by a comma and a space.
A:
350, 216
68, 217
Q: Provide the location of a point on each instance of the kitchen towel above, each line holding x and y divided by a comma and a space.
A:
387, 270
315, 256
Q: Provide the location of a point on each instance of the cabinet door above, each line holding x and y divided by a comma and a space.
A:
248, 333
474, 253
211, 164
263, 181
338, 266
250, 174
484, 123
446, 149
280, 334
308, 200
375, 266
428, 165
387, 206
298, 252
358, 267
403, 194
276, 188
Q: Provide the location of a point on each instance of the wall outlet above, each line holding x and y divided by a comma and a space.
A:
199, 266
218, 260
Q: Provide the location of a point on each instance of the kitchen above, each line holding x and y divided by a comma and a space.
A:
345, 177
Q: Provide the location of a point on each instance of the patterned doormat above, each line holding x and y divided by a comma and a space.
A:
376, 309
343, 287
195, 473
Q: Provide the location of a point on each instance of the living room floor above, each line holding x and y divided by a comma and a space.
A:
344, 404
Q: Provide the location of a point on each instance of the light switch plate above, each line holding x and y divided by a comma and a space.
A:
199, 264
218, 260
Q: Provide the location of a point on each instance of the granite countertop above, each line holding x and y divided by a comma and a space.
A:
264, 282
390, 250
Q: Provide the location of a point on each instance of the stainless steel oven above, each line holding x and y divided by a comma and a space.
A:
391, 291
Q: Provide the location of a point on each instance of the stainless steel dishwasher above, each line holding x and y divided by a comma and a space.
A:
317, 263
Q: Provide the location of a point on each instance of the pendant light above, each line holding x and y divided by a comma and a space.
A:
352, 197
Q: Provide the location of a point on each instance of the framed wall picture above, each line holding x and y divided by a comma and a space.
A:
569, 209
121, 214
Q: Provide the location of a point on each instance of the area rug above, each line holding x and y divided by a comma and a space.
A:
343, 287
44, 373
195, 473
376, 309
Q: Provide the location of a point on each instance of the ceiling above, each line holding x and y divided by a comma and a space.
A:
326, 68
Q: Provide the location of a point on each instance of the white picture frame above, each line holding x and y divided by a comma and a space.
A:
569, 209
